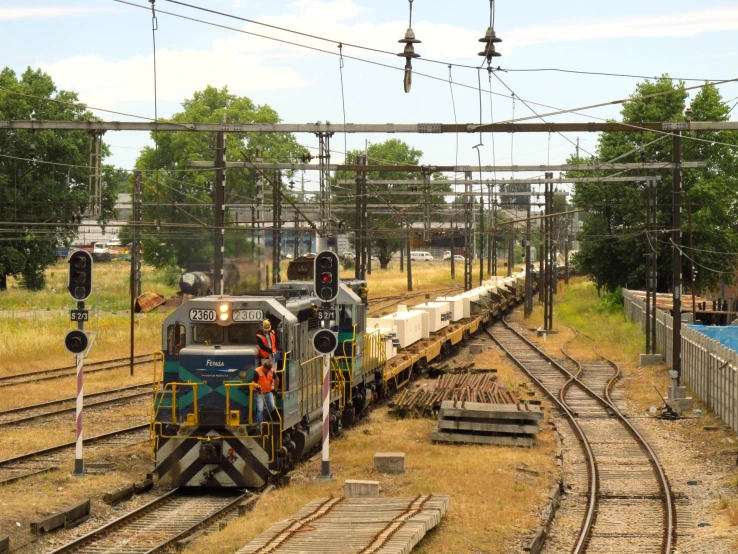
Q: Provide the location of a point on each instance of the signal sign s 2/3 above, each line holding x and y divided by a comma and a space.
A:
79, 315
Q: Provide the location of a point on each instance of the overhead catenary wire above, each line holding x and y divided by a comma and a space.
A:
560, 111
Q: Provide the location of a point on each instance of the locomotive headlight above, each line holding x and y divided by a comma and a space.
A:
242, 374
223, 309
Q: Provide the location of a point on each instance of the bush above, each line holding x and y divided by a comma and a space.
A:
611, 301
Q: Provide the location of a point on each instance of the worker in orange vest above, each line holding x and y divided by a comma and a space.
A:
267, 340
266, 381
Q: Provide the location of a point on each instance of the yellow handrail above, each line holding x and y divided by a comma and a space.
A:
174, 401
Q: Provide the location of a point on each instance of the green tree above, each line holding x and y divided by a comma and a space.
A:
181, 240
384, 241
613, 241
32, 189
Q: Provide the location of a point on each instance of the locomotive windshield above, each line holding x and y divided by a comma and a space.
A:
207, 333
243, 333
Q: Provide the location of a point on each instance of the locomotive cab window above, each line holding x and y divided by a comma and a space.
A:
176, 338
204, 333
243, 333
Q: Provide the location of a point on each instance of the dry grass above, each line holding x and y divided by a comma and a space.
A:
66, 387
34, 340
18, 440
27, 500
426, 276
110, 292
491, 502
729, 507
577, 306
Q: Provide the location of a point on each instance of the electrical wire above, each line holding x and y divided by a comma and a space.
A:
601, 73
699, 264
343, 100
75, 104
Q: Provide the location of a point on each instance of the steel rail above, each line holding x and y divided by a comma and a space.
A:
91, 405
669, 513
592, 473
46, 374
52, 449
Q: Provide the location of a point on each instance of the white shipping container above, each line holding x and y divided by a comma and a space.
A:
424, 322
456, 306
436, 311
408, 326
467, 298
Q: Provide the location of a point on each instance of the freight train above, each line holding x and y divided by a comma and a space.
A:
203, 430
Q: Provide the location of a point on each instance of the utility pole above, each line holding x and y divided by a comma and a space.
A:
409, 259
567, 249
492, 241
481, 239
296, 245
253, 233
528, 302
219, 231
94, 206
676, 238
324, 159
277, 227
550, 259
365, 245
357, 225
135, 284
453, 253
652, 267
468, 232
691, 253
260, 232
510, 255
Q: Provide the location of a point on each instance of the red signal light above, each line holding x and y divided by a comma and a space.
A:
326, 278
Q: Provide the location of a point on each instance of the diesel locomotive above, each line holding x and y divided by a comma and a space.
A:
203, 426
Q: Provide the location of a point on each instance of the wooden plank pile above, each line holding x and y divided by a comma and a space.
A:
370, 525
425, 401
485, 423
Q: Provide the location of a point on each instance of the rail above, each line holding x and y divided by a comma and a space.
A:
589, 519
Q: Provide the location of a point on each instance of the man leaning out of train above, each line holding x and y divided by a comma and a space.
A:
266, 382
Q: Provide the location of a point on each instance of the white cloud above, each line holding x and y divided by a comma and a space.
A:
685, 24
106, 83
7, 14
247, 64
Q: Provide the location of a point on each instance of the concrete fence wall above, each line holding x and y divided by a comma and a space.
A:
708, 368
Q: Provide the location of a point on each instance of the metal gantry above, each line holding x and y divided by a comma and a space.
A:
94, 207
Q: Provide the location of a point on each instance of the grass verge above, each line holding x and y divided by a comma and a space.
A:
491, 502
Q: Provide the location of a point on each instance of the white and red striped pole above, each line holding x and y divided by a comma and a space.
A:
325, 466
79, 465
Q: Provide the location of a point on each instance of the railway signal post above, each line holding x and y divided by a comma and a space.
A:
325, 341
80, 288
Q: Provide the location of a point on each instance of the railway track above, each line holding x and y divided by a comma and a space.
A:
35, 412
66, 371
48, 459
389, 301
619, 490
156, 526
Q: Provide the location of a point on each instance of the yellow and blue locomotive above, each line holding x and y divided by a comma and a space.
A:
203, 429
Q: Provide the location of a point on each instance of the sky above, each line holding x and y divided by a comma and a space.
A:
103, 50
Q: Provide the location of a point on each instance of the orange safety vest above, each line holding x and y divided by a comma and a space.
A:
267, 343
265, 379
